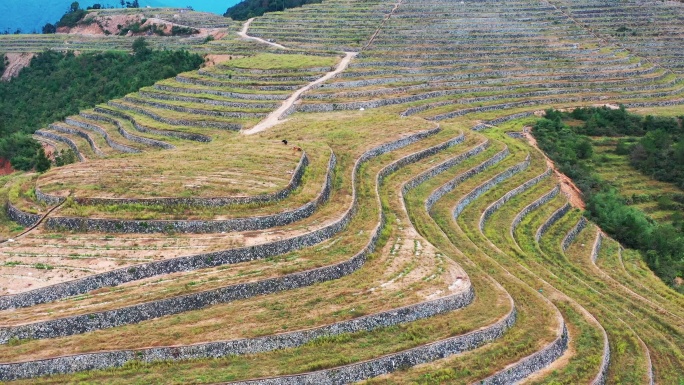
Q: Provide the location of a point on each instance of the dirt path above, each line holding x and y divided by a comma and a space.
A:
382, 24
17, 61
243, 34
274, 117
567, 186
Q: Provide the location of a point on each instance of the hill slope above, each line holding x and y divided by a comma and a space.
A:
394, 227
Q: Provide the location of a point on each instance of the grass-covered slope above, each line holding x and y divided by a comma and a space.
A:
408, 232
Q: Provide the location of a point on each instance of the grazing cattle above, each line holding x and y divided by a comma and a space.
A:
285, 142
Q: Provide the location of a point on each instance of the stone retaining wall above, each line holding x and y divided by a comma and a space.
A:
59, 138
531, 207
488, 185
451, 185
211, 102
196, 226
531, 364
99, 130
597, 247
155, 309
202, 202
180, 122
227, 94
510, 195
211, 83
397, 361
557, 215
124, 133
572, 234
444, 166
109, 359
81, 134
195, 111
205, 260
141, 128
22, 218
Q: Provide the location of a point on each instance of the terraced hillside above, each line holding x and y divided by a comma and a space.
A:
406, 232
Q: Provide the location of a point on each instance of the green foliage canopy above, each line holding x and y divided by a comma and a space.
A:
247, 9
57, 85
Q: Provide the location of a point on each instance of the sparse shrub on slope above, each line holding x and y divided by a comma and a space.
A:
661, 245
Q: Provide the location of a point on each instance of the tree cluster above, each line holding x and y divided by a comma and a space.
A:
56, 85
247, 9
662, 245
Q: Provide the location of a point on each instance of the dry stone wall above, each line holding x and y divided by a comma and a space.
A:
179, 122
227, 94
199, 261
113, 144
531, 364
109, 359
59, 138
533, 206
555, 217
451, 185
81, 134
124, 133
22, 218
205, 202
510, 195
488, 185
397, 361
572, 234
200, 226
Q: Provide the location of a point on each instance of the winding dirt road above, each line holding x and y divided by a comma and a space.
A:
275, 117
243, 34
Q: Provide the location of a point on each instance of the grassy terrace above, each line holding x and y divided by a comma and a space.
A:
421, 63
648, 30
643, 191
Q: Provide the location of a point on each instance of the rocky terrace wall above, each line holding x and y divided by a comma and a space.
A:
227, 94
69, 142
491, 183
81, 134
22, 218
211, 102
597, 247
197, 226
141, 312
203, 202
533, 206
211, 83
451, 185
109, 359
397, 361
123, 132
180, 122
91, 127
557, 215
212, 259
531, 364
442, 167
572, 234
491, 209
196, 111
503, 119
141, 128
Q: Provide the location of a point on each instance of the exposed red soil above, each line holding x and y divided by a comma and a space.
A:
17, 61
5, 167
567, 186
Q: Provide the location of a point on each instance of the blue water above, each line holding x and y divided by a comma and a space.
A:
32, 15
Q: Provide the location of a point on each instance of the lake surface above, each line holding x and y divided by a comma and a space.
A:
32, 15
